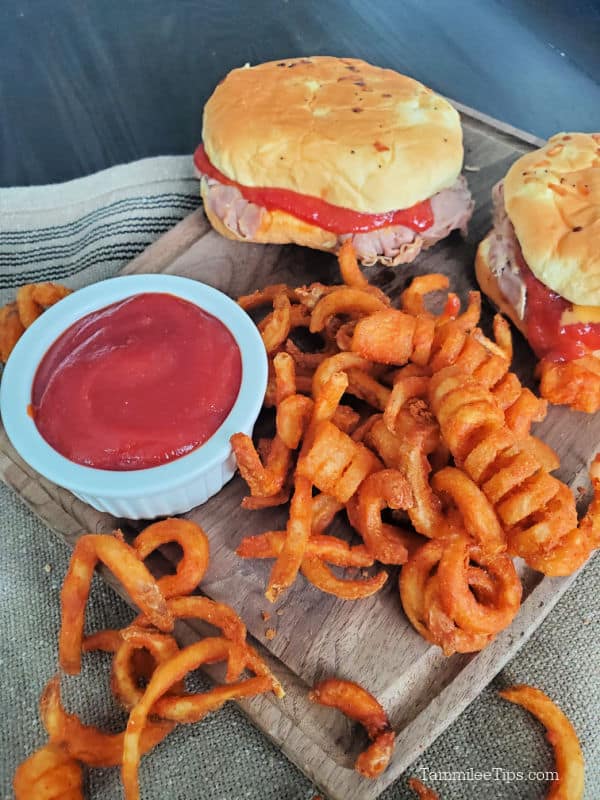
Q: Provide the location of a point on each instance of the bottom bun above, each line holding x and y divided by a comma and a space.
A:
277, 227
489, 284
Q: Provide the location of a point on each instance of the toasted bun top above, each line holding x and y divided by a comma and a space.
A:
552, 197
355, 135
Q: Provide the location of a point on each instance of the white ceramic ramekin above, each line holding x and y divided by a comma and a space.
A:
145, 493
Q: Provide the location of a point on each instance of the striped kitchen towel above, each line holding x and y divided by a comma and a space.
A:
85, 230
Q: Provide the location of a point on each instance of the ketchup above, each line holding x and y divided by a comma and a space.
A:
136, 384
319, 212
543, 311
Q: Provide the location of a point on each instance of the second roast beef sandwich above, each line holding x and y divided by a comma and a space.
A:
318, 150
540, 264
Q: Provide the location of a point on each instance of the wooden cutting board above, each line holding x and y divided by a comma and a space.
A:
317, 635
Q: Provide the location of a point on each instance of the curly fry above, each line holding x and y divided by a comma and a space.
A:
34, 298
334, 463
266, 296
11, 329
318, 573
412, 297
386, 488
165, 675
351, 272
356, 703
220, 615
408, 457
422, 603
562, 736
458, 600
258, 503
263, 480
49, 774
476, 511
345, 300
87, 743
386, 337
290, 558
327, 548
175, 705
133, 640
285, 377
573, 383
536, 510
192, 540
374, 760
423, 792
275, 328
123, 562
341, 362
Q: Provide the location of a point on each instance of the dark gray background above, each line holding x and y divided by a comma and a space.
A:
85, 84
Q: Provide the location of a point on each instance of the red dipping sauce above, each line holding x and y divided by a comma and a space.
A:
136, 384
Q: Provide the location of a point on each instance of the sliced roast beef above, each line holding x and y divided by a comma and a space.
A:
452, 209
503, 254
397, 244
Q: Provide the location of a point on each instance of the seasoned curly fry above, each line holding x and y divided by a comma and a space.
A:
336, 464
351, 273
412, 297
422, 603
165, 676
536, 510
408, 456
49, 774
267, 480
345, 300
176, 705
11, 329
327, 548
123, 562
458, 600
386, 488
32, 300
423, 792
87, 743
192, 540
476, 511
124, 680
220, 615
275, 328
318, 573
387, 337
266, 296
356, 703
562, 736
290, 558
572, 383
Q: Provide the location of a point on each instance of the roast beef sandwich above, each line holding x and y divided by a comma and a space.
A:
319, 150
540, 264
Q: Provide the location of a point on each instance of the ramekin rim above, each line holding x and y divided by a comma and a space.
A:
19, 372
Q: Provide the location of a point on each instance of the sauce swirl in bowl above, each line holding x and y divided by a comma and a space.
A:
136, 384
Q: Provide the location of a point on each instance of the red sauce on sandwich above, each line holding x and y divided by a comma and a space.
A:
319, 212
543, 312
136, 384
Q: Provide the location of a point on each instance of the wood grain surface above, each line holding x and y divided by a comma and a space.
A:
318, 635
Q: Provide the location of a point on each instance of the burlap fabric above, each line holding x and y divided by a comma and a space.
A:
84, 231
